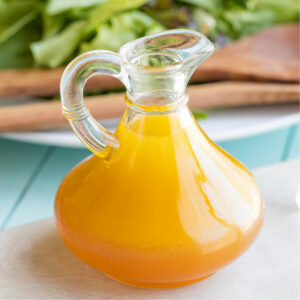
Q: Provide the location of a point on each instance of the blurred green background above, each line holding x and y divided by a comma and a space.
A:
50, 33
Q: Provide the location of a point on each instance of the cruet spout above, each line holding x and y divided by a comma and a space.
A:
163, 62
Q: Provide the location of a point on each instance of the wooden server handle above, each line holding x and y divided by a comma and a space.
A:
48, 115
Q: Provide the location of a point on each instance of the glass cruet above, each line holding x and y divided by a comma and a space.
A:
158, 205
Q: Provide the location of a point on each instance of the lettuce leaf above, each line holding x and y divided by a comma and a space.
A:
106, 10
236, 22
199, 114
60, 42
52, 25
18, 28
18, 25
15, 52
14, 15
239, 18
58, 6
58, 49
121, 29
209, 6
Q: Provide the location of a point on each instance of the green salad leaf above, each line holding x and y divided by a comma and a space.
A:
236, 22
58, 6
199, 114
239, 18
107, 9
18, 29
14, 15
60, 42
18, 25
121, 29
209, 6
56, 50
15, 52
52, 25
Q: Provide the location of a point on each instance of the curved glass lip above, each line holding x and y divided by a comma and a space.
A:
205, 47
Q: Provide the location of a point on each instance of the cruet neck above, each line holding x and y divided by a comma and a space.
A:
161, 65
155, 70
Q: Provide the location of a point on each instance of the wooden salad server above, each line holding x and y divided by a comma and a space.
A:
48, 115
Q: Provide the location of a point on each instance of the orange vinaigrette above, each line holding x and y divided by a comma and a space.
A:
159, 211
159, 205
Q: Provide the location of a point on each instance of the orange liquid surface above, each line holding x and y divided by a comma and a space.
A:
165, 209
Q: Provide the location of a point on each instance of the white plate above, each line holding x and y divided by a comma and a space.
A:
220, 125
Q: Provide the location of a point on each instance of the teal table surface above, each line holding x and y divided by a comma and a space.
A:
30, 174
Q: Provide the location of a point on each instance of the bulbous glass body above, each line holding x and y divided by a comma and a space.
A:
165, 208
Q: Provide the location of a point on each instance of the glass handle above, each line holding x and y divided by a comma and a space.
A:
94, 136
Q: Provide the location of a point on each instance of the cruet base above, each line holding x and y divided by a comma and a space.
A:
157, 285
